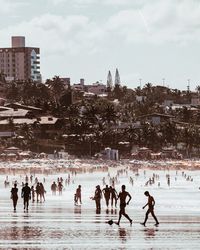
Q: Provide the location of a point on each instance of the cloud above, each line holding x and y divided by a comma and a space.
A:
164, 21
58, 34
160, 22
8, 6
119, 3
104, 33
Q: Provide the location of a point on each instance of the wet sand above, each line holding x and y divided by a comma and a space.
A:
58, 224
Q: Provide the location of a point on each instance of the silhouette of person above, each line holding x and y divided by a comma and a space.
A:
38, 191
53, 188
26, 195
42, 192
75, 199
106, 192
33, 193
113, 193
122, 197
14, 195
150, 204
78, 194
97, 197
60, 187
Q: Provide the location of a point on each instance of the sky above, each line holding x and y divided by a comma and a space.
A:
150, 40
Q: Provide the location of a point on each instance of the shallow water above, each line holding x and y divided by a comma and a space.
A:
58, 224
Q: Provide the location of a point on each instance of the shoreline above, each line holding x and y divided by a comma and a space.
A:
90, 165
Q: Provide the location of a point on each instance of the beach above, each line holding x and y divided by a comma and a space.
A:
58, 224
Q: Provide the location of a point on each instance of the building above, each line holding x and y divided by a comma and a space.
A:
155, 118
195, 101
79, 86
97, 88
66, 81
20, 62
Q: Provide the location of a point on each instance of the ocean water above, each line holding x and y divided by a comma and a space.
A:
58, 224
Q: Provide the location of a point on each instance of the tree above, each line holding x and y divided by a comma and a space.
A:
13, 92
108, 114
198, 89
57, 89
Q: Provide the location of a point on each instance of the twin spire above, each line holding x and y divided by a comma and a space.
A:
110, 81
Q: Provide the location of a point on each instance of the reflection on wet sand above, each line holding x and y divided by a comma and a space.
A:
77, 209
122, 234
149, 233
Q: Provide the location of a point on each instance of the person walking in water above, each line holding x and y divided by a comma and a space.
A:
33, 193
38, 192
60, 187
14, 196
26, 195
150, 204
97, 197
78, 194
113, 193
42, 192
122, 197
106, 192
53, 188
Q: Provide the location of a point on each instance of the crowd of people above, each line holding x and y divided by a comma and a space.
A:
36, 191
109, 193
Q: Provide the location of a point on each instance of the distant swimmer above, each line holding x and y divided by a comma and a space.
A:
14, 196
122, 197
150, 204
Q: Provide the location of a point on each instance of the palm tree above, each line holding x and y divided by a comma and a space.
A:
198, 89
109, 114
57, 89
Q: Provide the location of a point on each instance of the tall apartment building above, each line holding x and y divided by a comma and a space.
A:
20, 62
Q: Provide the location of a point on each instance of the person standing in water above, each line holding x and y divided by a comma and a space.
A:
122, 197
33, 193
54, 188
97, 197
150, 204
26, 195
106, 192
14, 196
114, 195
78, 194
38, 191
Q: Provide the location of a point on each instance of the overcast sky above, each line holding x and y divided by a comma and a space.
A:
148, 39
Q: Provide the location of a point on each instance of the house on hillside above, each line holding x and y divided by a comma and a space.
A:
49, 125
155, 118
15, 113
97, 88
16, 105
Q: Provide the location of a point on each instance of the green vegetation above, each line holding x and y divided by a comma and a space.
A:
89, 125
